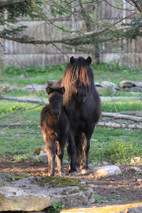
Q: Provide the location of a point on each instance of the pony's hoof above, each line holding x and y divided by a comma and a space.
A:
85, 171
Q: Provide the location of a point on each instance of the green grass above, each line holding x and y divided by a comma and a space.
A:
122, 105
115, 72
115, 146
103, 72
37, 75
100, 199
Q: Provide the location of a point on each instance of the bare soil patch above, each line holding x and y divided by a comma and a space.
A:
123, 188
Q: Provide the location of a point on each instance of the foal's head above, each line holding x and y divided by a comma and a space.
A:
55, 100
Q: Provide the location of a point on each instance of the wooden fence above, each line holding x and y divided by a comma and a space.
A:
124, 51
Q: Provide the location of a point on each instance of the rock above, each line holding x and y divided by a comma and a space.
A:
133, 210
133, 89
43, 158
97, 84
41, 151
138, 84
109, 84
99, 90
126, 84
123, 208
106, 88
135, 169
5, 177
136, 160
5, 88
106, 171
36, 87
33, 194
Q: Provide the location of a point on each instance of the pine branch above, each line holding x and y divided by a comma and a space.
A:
69, 41
12, 2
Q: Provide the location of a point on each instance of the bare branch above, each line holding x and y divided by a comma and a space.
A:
118, 8
137, 4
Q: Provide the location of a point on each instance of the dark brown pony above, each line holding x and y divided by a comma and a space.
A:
83, 115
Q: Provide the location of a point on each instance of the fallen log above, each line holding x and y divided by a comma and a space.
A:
116, 125
16, 125
33, 101
122, 116
104, 114
101, 124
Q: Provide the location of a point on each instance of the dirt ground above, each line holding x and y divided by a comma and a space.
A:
126, 187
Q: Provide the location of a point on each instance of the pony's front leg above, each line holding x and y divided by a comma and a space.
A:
71, 153
51, 150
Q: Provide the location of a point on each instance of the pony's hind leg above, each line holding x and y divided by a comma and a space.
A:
85, 149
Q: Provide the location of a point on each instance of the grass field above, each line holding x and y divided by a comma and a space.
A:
113, 145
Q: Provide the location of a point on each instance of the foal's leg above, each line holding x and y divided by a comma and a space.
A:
59, 157
51, 150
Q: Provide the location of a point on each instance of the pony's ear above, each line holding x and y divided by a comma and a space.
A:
48, 90
62, 90
72, 60
89, 60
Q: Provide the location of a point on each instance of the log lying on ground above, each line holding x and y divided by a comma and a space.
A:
116, 125
104, 114
33, 101
102, 124
122, 116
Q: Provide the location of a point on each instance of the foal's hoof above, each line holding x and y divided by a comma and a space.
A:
61, 174
85, 171
49, 174
73, 174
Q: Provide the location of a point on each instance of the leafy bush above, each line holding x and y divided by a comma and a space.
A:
35, 69
117, 151
13, 70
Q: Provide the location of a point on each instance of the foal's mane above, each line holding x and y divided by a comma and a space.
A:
78, 73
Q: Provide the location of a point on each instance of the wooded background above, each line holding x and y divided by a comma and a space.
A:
125, 51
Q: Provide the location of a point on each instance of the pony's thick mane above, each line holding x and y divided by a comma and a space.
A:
79, 73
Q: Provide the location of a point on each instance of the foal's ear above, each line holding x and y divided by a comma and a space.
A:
89, 60
48, 90
72, 60
62, 90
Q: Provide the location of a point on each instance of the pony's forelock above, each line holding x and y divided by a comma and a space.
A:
78, 72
